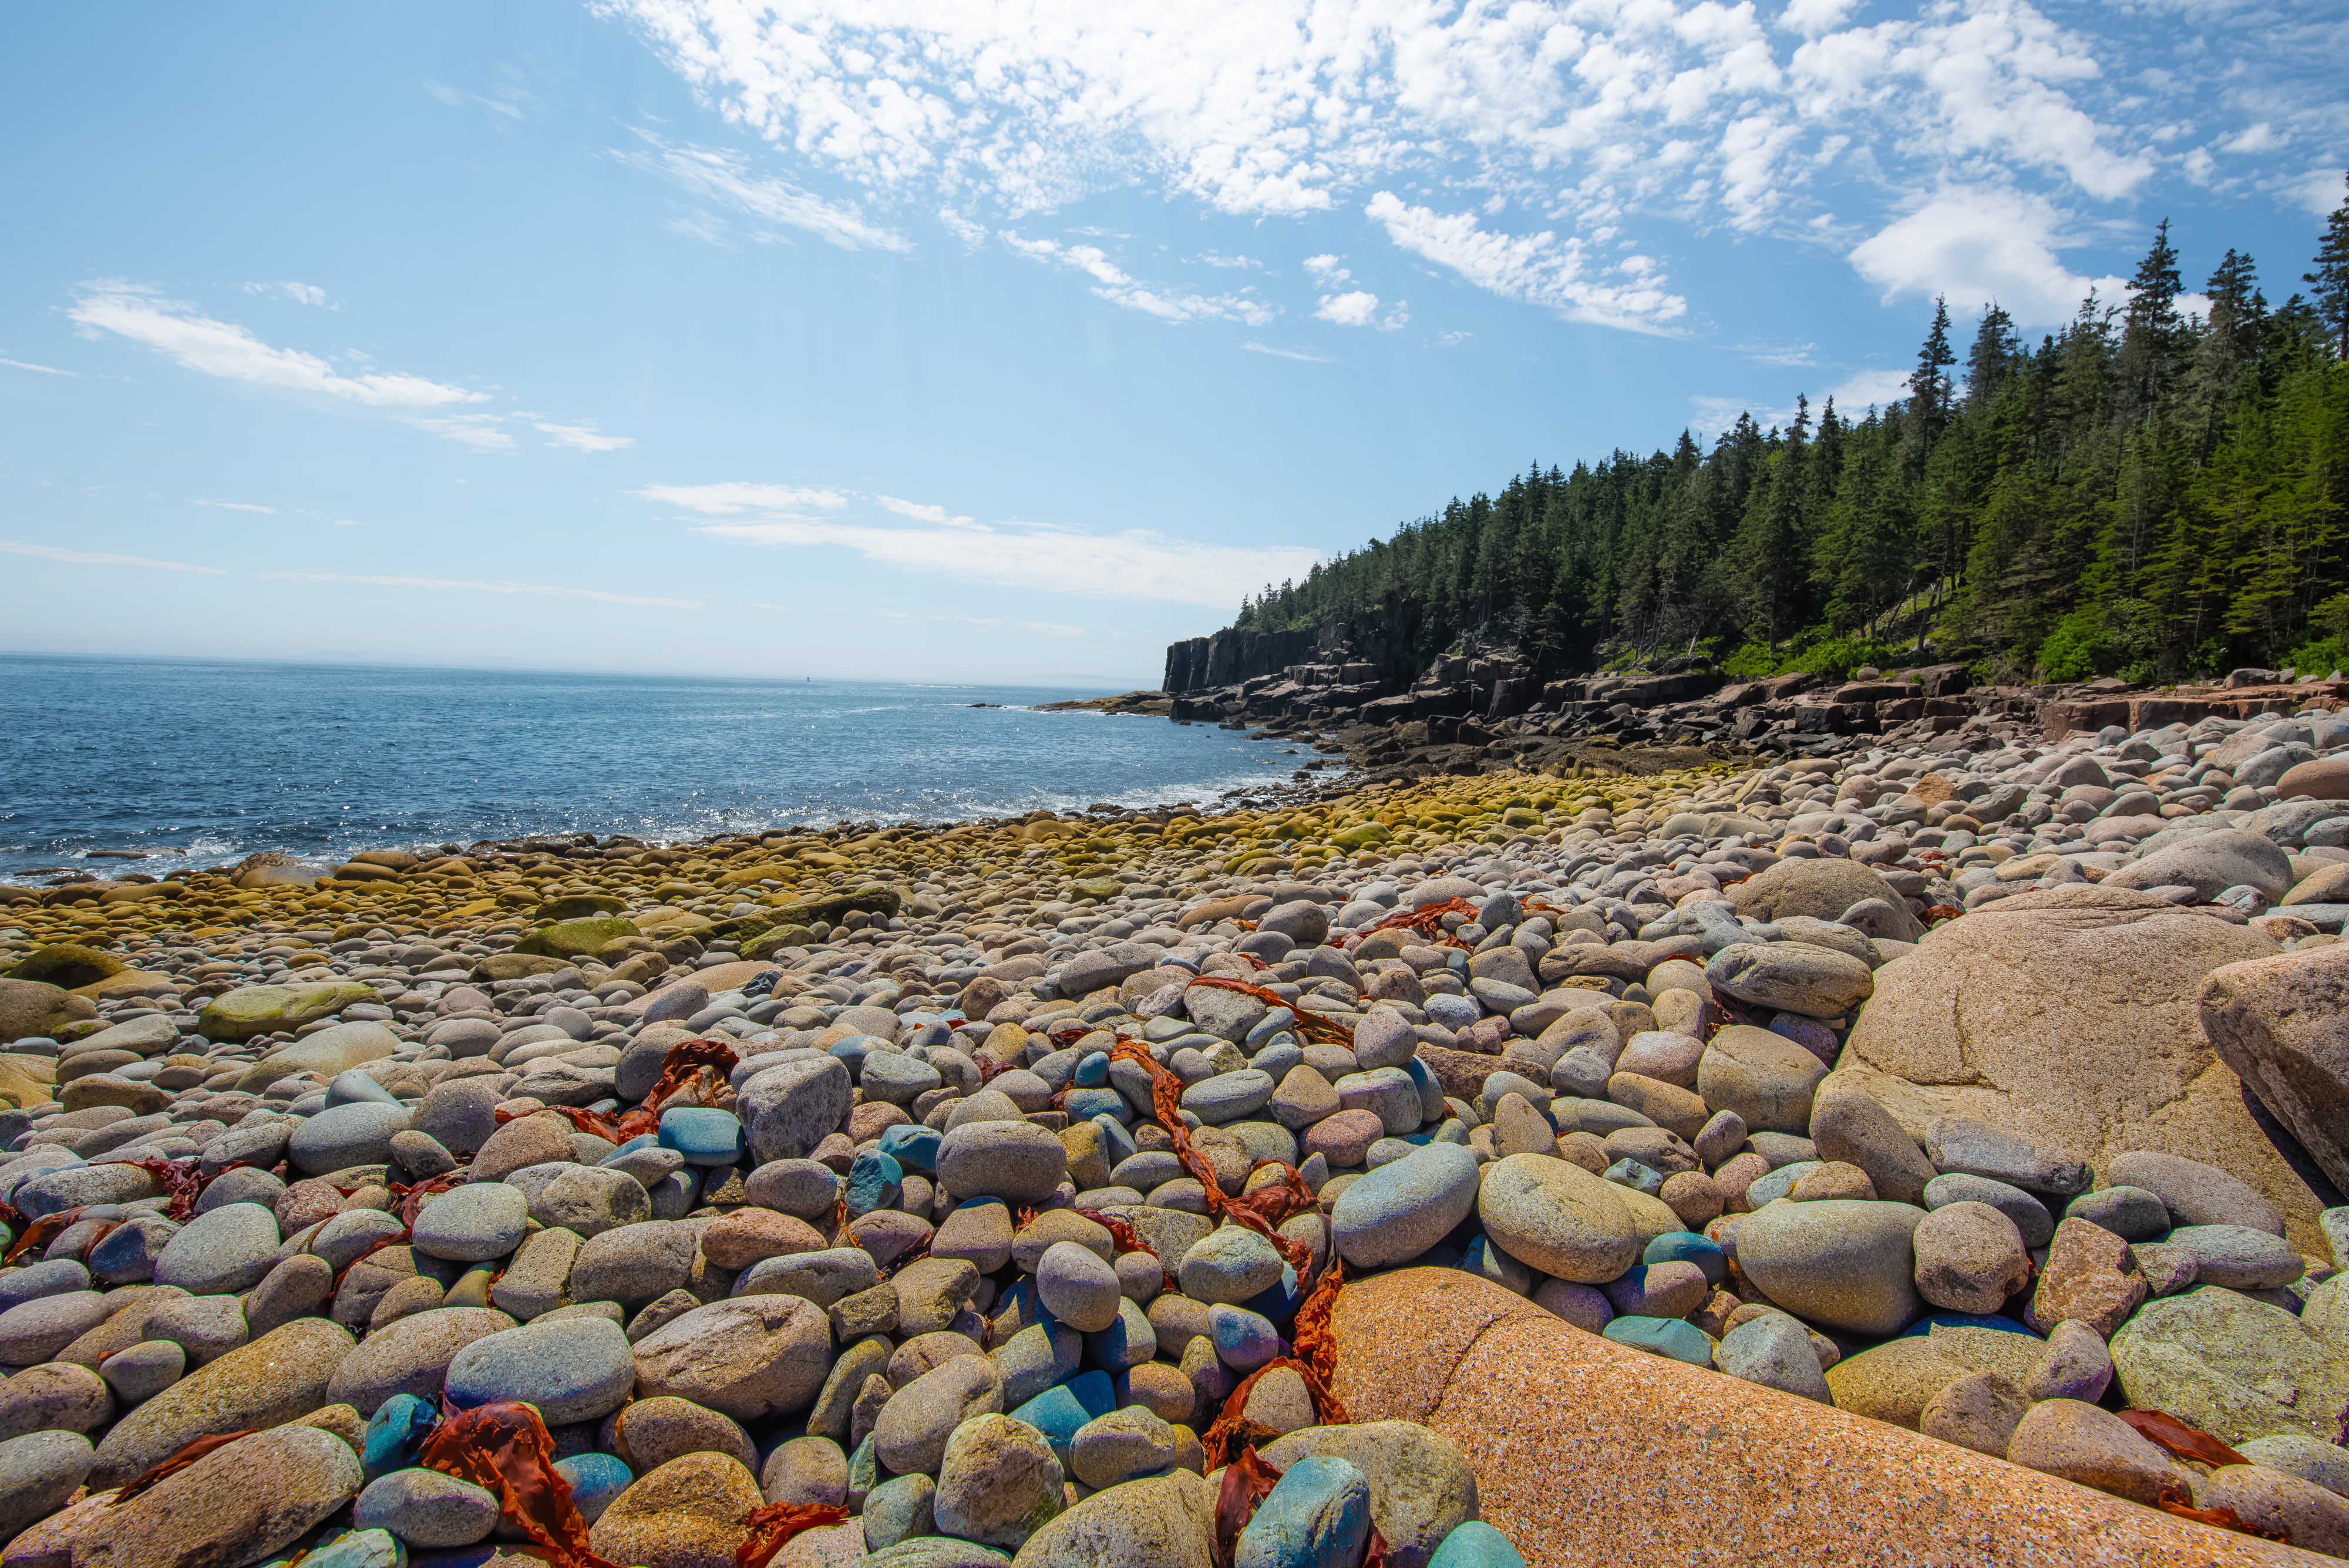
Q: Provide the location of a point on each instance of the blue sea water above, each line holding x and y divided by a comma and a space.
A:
218, 759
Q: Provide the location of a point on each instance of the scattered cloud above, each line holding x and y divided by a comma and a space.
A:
719, 175
1546, 123
972, 234
731, 500
1451, 339
1360, 307
80, 558
1864, 389
1981, 244
44, 369
238, 506
1210, 258
1299, 354
459, 584
348, 523
299, 293
478, 432
1135, 566
198, 342
1112, 282
922, 512
581, 437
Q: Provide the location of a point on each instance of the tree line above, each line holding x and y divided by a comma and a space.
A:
2146, 492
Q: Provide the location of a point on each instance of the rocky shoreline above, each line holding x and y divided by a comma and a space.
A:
983, 1193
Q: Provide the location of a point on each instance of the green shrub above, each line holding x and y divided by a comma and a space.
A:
2322, 656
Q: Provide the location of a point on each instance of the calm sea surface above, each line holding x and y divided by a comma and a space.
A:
220, 759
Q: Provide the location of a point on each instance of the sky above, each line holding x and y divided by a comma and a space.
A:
1001, 342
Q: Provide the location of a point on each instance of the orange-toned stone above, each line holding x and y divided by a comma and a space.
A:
2090, 1277
1728, 1472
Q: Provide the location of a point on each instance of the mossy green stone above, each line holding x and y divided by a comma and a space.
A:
873, 900
67, 964
575, 939
1101, 886
255, 1010
771, 941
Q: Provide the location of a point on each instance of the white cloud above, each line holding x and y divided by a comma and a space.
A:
717, 174
730, 500
44, 369
582, 436
1869, 389
972, 236
1360, 307
1211, 258
2258, 137
478, 432
1540, 269
78, 558
220, 348
1112, 282
1979, 245
299, 293
348, 523
1564, 120
921, 512
239, 506
375, 580
1255, 347
1135, 566
1325, 269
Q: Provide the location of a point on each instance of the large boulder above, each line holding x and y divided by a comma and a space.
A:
254, 1010
1822, 890
2282, 1024
33, 1009
330, 1053
2209, 863
2070, 1016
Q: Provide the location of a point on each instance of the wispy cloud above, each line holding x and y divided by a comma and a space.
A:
732, 499
581, 437
924, 511
463, 584
238, 506
1299, 354
478, 432
44, 369
1135, 566
1539, 269
716, 175
506, 99
1112, 282
299, 293
82, 558
220, 348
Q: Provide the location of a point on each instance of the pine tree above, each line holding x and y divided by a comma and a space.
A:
1928, 385
1993, 357
2330, 281
2151, 332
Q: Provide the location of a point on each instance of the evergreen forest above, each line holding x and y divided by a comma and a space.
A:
2150, 493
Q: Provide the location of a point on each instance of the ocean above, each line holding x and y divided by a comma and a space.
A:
218, 759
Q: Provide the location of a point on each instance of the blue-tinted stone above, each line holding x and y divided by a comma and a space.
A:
1475, 1544
357, 1548
354, 1086
396, 1434
1925, 1326
1779, 1182
596, 1480
1063, 1408
1244, 1340
1667, 1336
864, 1472
703, 1133
1117, 1144
642, 1140
1092, 1071
1319, 1513
912, 1145
1630, 1173
1277, 1304
873, 1183
850, 1053
1688, 1247
1083, 1105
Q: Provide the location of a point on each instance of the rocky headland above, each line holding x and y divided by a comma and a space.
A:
1576, 1148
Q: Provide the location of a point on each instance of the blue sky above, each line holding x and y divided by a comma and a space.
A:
948, 339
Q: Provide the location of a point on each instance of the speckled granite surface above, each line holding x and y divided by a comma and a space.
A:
1589, 1453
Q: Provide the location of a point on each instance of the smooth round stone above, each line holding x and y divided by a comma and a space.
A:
222, 1252
2129, 1212
1319, 1512
1774, 1351
396, 1433
1091, 1071
1475, 1544
1558, 1217
912, 1432
1688, 1247
359, 1549
1344, 1138
1229, 1096
345, 1135
702, 1134
896, 1078
1230, 1263
427, 1509
144, 1370
38, 1472
2238, 1257
596, 1480
897, 1510
1844, 1263
1778, 1183
1400, 1210
356, 1087
576, 1370
1128, 1444
1078, 1288
2030, 1215
473, 1223
1017, 1161
874, 1182
1244, 1340
999, 1483
55, 1277
1062, 1410
1665, 1337
1094, 1104
1630, 1173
